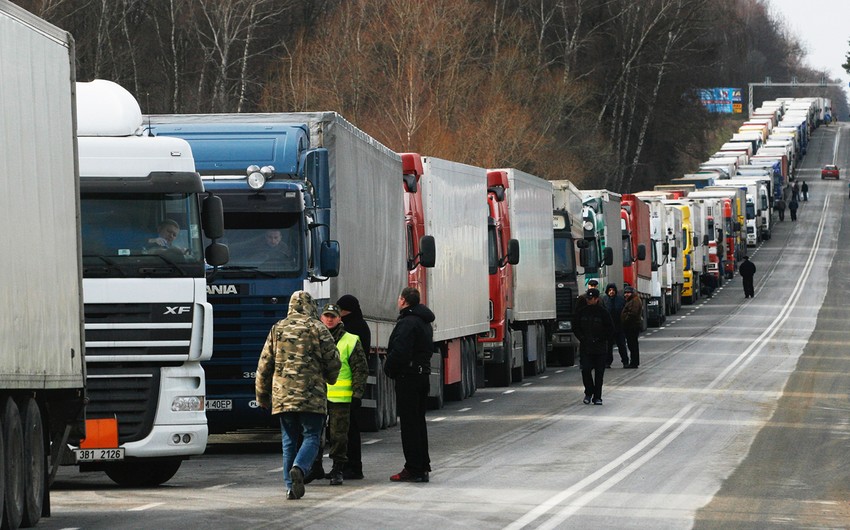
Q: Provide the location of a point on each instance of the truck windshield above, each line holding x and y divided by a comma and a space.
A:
751, 211
565, 255
141, 234
263, 242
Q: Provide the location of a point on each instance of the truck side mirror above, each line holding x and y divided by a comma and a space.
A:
217, 254
212, 216
705, 240
582, 256
427, 251
674, 252
641, 252
737, 226
513, 251
665, 249
608, 254
329, 254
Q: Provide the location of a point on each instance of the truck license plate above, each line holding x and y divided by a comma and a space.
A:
98, 455
219, 404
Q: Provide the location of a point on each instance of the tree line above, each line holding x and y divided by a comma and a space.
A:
601, 92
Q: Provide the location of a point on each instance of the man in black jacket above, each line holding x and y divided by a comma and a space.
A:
593, 326
352, 319
747, 270
409, 364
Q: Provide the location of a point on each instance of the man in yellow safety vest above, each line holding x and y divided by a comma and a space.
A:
349, 387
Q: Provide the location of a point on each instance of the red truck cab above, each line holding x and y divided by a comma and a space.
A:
500, 362
637, 270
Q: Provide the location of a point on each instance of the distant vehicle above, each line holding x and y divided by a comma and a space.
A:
830, 171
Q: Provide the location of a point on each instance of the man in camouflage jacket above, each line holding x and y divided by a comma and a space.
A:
298, 360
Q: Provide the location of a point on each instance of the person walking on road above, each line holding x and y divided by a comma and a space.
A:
747, 269
347, 390
792, 207
298, 360
632, 320
795, 191
593, 326
780, 207
614, 302
409, 364
804, 189
352, 318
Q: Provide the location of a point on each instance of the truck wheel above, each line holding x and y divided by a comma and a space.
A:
35, 464
392, 407
2, 468
144, 473
13, 440
473, 366
436, 402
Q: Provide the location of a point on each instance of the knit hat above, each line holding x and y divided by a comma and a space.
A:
348, 303
593, 293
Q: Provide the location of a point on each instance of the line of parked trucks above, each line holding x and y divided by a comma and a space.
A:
122, 354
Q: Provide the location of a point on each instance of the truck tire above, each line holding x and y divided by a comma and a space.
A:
500, 374
2, 468
13, 440
436, 402
471, 360
34, 462
143, 473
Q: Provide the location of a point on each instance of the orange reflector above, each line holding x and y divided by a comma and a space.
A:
101, 434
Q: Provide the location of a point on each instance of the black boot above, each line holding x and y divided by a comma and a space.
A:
316, 472
336, 475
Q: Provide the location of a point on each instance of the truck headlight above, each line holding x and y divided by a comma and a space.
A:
187, 404
565, 326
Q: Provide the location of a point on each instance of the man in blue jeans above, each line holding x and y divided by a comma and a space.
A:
298, 361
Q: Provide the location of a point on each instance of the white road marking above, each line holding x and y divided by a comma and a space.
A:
370, 442
509, 391
222, 486
488, 400
145, 507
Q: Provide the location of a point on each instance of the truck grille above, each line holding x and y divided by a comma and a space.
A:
564, 303
138, 329
128, 393
240, 327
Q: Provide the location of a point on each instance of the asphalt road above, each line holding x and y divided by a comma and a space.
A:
737, 418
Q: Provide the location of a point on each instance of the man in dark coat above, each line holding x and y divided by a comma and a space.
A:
614, 303
804, 190
747, 270
409, 364
632, 319
792, 207
352, 319
780, 207
593, 327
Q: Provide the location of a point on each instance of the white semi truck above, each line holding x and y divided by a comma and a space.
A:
148, 325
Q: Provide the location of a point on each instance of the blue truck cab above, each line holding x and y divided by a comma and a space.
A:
275, 193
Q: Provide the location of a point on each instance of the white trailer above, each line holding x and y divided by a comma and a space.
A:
42, 361
456, 288
530, 207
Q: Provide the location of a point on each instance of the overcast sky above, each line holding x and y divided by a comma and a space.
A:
823, 26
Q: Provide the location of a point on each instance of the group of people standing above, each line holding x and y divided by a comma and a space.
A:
312, 374
798, 193
600, 322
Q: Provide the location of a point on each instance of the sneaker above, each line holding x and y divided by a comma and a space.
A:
406, 476
586, 399
290, 496
597, 401
297, 476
